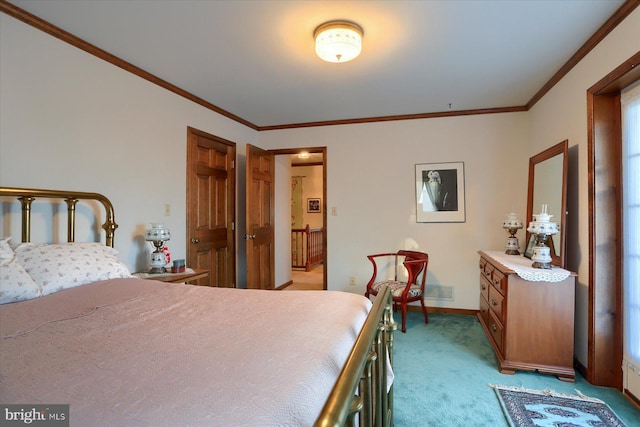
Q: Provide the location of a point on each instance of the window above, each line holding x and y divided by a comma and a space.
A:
630, 100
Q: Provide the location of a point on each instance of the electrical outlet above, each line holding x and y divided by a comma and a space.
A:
352, 281
334, 211
167, 209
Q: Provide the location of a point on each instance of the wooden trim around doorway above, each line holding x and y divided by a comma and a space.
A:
604, 133
322, 150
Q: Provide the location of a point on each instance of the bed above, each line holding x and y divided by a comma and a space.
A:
76, 328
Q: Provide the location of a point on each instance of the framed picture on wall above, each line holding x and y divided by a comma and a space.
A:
313, 205
440, 192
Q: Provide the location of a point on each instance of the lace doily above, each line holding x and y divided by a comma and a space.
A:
522, 267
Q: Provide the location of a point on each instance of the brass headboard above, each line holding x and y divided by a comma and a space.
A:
28, 195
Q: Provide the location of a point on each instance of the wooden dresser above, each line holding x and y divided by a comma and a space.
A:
529, 323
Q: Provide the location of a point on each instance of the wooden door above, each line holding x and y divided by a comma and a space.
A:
260, 217
211, 190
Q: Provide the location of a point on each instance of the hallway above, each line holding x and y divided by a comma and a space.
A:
303, 281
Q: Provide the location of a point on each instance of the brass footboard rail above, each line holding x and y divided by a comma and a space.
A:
28, 195
362, 389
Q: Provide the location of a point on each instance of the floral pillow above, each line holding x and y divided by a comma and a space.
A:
65, 265
15, 283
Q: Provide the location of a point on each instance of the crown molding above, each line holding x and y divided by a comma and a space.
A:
67, 37
38, 23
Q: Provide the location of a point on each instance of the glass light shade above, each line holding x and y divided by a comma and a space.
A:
157, 232
512, 221
338, 41
541, 223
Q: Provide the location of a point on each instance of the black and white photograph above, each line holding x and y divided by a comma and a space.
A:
440, 192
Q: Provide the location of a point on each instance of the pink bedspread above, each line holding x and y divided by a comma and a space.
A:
133, 352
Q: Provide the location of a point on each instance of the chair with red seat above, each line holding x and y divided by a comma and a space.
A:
403, 292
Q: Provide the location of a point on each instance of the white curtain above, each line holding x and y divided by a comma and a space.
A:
630, 101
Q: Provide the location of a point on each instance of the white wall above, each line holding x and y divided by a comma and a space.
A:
562, 114
370, 181
72, 121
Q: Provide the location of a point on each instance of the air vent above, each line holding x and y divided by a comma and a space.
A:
439, 292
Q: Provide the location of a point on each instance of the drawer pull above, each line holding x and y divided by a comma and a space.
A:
483, 287
494, 328
496, 282
494, 302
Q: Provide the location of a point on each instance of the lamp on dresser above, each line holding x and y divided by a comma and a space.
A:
512, 224
158, 235
542, 228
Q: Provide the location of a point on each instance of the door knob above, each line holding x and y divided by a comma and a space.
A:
249, 236
195, 241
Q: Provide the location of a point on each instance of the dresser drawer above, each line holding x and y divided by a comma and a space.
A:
484, 288
481, 264
497, 331
485, 269
484, 311
499, 280
496, 303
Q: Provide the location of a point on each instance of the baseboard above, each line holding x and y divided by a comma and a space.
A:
582, 370
633, 399
442, 310
285, 285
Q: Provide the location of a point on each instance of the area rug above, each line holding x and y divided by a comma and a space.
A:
525, 408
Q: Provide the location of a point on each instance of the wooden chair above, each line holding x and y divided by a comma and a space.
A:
403, 292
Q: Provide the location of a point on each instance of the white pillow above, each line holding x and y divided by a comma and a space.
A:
15, 283
5, 249
65, 265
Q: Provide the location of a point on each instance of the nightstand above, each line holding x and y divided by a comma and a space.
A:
189, 276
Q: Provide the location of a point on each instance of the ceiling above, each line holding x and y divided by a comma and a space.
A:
256, 59
312, 159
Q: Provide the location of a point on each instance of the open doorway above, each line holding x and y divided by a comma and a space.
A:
307, 231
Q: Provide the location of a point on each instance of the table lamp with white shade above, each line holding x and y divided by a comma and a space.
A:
542, 228
512, 224
157, 234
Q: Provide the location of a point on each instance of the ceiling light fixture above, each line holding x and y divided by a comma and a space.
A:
338, 41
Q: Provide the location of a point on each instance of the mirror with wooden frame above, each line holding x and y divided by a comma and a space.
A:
548, 186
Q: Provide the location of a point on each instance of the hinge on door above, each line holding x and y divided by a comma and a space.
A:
233, 164
233, 225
